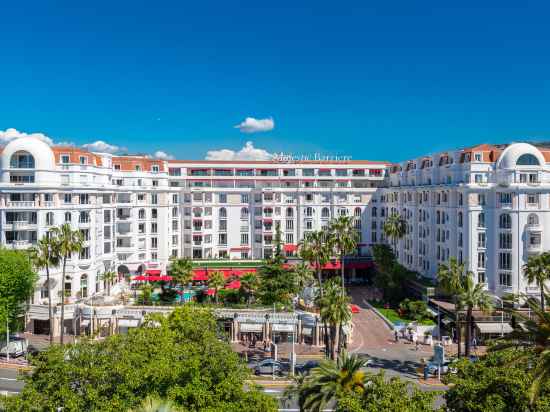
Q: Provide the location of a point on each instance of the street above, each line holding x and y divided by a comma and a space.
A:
9, 382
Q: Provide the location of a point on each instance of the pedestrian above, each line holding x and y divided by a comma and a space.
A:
396, 335
416, 343
474, 343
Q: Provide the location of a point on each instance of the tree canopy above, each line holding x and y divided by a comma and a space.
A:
17, 282
177, 358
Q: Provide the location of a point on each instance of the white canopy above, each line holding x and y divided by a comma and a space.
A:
493, 328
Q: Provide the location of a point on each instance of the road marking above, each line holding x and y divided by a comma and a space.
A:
8, 379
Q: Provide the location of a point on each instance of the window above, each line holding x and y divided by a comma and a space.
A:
505, 221
505, 261
244, 213
141, 214
65, 159
154, 213
154, 227
22, 160
459, 219
532, 220
481, 260
223, 213
67, 198
505, 198
222, 198
481, 240
309, 211
155, 183
67, 217
290, 225
49, 219
505, 279
83, 160
534, 239
505, 240
155, 169
84, 199
481, 199
357, 212
527, 159
222, 239
117, 167
477, 157
244, 238
154, 243
481, 220
481, 277
154, 199
532, 199
84, 217
244, 198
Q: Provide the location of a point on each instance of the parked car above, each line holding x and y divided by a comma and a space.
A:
269, 367
305, 368
17, 347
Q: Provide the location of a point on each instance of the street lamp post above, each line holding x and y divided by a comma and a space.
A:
7, 336
501, 315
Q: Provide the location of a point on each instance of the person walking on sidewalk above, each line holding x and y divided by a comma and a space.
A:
396, 335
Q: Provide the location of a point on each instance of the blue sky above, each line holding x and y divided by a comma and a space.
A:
375, 80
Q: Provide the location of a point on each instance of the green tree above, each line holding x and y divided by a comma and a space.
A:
181, 270
68, 242
499, 382
216, 281
44, 257
344, 238
145, 298
315, 249
277, 283
334, 307
537, 270
250, 282
451, 279
330, 381
176, 357
395, 227
531, 335
17, 281
382, 395
153, 404
109, 276
304, 275
473, 296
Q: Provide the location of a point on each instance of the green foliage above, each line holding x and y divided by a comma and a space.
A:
177, 358
250, 282
216, 281
390, 276
381, 395
353, 390
496, 383
17, 280
395, 227
181, 271
277, 284
152, 404
416, 310
146, 294
537, 270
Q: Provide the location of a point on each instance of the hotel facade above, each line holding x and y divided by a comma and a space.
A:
135, 213
488, 206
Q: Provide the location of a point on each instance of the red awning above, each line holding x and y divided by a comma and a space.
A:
155, 272
235, 284
210, 292
290, 247
199, 275
153, 278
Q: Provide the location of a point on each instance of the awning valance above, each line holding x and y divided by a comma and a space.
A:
282, 327
493, 328
128, 323
251, 327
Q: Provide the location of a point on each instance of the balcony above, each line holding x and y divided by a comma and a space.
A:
21, 244
21, 203
20, 225
534, 247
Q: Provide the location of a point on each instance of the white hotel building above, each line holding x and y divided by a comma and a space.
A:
488, 206
135, 212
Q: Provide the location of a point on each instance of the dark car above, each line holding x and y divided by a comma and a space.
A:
305, 368
269, 367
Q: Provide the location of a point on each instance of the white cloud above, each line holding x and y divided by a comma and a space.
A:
159, 154
10, 134
247, 152
104, 147
252, 125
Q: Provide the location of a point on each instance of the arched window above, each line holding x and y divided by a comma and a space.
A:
505, 221
527, 159
22, 160
289, 212
223, 212
67, 217
84, 286
325, 213
373, 212
244, 213
141, 214
357, 212
532, 220
49, 218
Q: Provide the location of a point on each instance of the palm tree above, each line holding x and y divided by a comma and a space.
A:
344, 237
68, 242
451, 280
331, 380
315, 249
473, 296
532, 334
45, 256
304, 275
249, 284
216, 281
108, 277
334, 307
181, 271
395, 227
151, 404
537, 270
